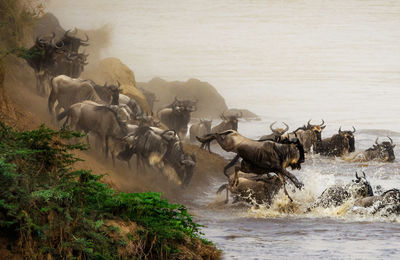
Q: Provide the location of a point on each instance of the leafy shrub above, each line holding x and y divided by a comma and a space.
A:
60, 212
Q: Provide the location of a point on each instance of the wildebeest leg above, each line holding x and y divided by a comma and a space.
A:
106, 146
293, 178
284, 187
230, 164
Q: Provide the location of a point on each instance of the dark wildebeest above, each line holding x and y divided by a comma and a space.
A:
309, 135
51, 57
261, 157
382, 152
41, 58
276, 133
68, 91
90, 117
251, 187
162, 149
176, 116
229, 122
337, 145
69, 64
200, 129
338, 194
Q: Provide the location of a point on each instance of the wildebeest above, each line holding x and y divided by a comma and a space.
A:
261, 157
161, 149
68, 91
309, 135
251, 187
228, 122
90, 117
387, 203
337, 145
176, 116
338, 194
276, 133
379, 151
50, 57
200, 129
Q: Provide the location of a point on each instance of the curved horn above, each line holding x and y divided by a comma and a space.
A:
363, 173
376, 140
270, 126
66, 34
354, 130
340, 130
323, 122
54, 44
308, 123
391, 141
87, 38
357, 176
119, 84
287, 127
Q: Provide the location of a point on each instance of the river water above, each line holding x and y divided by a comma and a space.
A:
286, 61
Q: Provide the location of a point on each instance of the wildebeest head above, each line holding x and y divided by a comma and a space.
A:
316, 129
278, 131
233, 120
385, 150
180, 106
187, 163
349, 135
360, 187
72, 42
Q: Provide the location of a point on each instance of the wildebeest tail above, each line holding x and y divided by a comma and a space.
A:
63, 114
223, 187
206, 139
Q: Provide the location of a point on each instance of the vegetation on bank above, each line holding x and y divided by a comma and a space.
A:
51, 210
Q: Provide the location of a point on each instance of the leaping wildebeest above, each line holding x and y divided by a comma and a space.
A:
67, 91
176, 116
261, 157
337, 145
90, 117
379, 151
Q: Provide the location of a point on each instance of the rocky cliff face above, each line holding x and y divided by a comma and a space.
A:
210, 103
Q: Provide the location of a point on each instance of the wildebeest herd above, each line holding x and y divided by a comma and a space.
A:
120, 128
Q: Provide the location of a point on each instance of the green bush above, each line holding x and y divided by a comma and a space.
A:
62, 212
